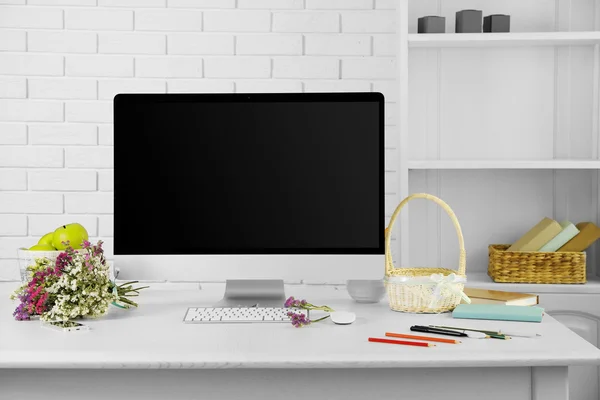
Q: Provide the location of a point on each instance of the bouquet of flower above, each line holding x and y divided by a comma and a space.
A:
76, 285
299, 319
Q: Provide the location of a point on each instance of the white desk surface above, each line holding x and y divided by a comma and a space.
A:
154, 336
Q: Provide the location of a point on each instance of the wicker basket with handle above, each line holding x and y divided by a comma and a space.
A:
425, 290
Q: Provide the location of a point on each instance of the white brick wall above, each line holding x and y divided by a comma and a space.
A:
168, 67
13, 134
63, 134
201, 44
101, 19
100, 66
31, 17
31, 64
269, 44
237, 21
107, 89
339, 45
88, 111
60, 88
62, 180
131, 43
63, 61
61, 42
13, 40
306, 22
13, 87
241, 67
23, 110
13, 225
13, 179
168, 20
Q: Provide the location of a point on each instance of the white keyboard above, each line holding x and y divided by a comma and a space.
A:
201, 315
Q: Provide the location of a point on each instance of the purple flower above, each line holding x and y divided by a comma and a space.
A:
294, 303
298, 319
63, 260
289, 302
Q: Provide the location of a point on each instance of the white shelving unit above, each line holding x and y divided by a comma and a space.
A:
483, 281
502, 164
448, 77
505, 127
503, 39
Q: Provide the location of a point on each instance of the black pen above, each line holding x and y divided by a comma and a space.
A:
427, 329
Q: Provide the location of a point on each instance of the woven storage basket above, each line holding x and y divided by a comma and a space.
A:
424, 290
534, 266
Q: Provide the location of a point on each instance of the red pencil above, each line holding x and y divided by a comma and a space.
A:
404, 342
425, 338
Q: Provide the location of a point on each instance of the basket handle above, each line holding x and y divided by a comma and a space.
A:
462, 264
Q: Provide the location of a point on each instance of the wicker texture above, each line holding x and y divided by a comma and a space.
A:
28, 257
534, 266
416, 298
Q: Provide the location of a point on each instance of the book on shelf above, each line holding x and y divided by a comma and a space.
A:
537, 236
484, 296
588, 234
567, 233
498, 312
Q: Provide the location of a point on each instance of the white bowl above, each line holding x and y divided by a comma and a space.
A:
366, 291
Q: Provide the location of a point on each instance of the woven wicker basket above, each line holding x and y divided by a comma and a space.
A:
424, 290
534, 266
28, 257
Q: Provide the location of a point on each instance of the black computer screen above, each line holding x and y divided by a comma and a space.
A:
249, 174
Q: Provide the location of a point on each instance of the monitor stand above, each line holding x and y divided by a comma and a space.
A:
253, 293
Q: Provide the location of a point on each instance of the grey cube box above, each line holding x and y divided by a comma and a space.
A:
432, 24
468, 21
496, 23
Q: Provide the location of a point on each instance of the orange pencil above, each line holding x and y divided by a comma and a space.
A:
428, 338
404, 342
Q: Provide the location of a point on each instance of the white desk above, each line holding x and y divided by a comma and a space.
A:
149, 353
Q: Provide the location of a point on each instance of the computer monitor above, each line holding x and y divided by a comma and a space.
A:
211, 187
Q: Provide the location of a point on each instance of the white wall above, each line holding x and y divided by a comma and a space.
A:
62, 61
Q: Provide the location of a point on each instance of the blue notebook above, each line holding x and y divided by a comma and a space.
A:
498, 312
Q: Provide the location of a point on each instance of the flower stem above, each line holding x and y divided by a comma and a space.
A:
320, 319
321, 308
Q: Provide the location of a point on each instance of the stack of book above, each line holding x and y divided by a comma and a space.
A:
500, 305
549, 236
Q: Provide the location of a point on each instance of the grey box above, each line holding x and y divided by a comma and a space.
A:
432, 24
468, 21
496, 23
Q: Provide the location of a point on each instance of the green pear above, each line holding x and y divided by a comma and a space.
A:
75, 234
47, 239
42, 247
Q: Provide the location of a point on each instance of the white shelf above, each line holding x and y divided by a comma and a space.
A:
502, 164
439, 40
481, 280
